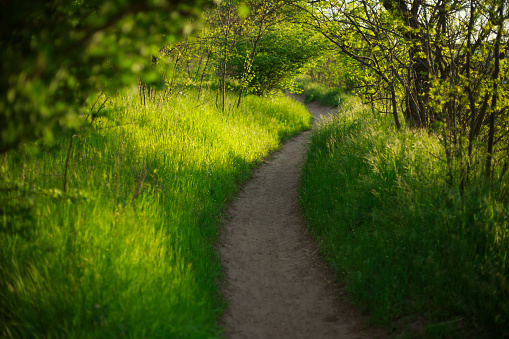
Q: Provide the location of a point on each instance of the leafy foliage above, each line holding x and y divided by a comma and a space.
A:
284, 51
249, 48
336, 70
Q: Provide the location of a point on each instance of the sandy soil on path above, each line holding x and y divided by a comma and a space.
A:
276, 284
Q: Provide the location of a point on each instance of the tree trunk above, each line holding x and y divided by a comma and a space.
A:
395, 106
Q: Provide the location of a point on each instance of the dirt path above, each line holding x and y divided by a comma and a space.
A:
276, 282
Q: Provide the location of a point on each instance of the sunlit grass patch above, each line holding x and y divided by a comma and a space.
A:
128, 249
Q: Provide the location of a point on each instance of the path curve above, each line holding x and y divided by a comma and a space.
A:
276, 284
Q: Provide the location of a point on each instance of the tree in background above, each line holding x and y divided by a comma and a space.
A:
335, 71
272, 48
442, 64
283, 52
250, 47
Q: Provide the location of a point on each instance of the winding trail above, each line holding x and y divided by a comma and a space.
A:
277, 285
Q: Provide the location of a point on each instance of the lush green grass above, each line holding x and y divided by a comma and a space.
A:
410, 248
128, 250
315, 91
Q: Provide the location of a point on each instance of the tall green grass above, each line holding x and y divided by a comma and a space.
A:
128, 249
414, 251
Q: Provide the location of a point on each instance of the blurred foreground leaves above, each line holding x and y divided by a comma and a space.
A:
58, 54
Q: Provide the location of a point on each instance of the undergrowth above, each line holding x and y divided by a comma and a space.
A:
315, 91
414, 251
126, 249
